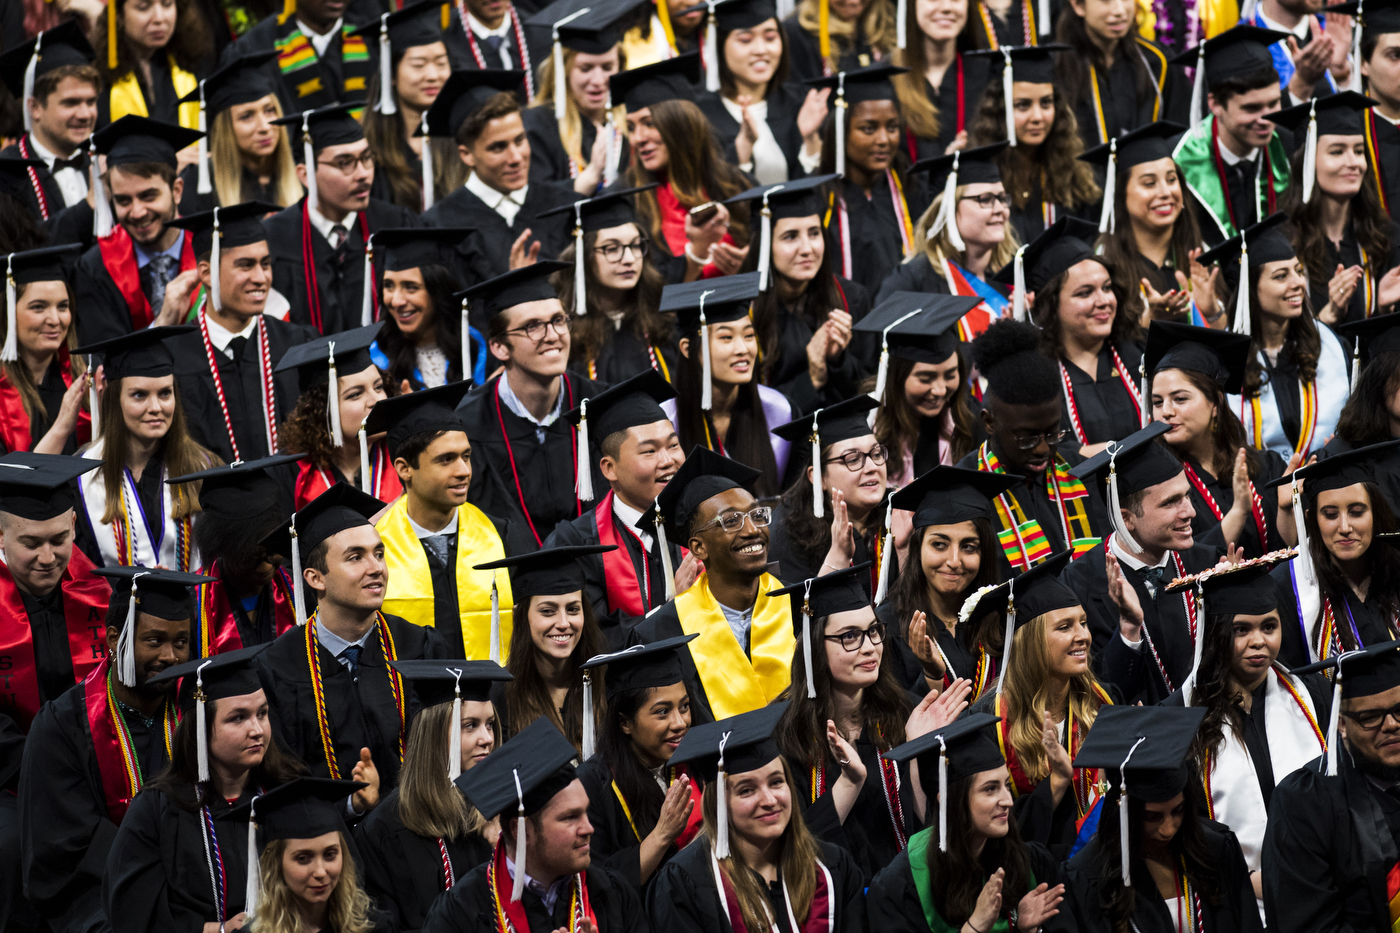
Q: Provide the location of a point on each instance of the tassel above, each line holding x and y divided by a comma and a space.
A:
561, 84
818, 506
1333, 720
253, 888
901, 24
454, 730
387, 106
1107, 220
721, 803
10, 352
807, 639
333, 401
883, 373
1357, 27
467, 368
214, 278
366, 481
94, 406
1019, 310
711, 50
1007, 98
580, 281
298, 599
706, 390
666, 569
942, 795
1009, 634
947, 210
126, 642
30, 71
614, 147
519, 887
1123, 838
367, 292
1355, 369
1115, 505
587, 749
1198, 87
308, 153
429, 195
882, 588
823, 33
840, 111
446, 16
204, 185
1043, 15
1200, 638
1240, 324
101, 207
112, 36
200, 726
1305, 574
765, 241
1310, 153
583, 484
495, 620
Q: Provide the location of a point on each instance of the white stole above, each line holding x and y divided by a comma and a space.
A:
1333, 389
143, 549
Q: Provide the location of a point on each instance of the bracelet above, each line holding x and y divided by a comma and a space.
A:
974, 928
696, 259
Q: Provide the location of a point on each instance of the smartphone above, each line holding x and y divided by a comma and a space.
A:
704, 213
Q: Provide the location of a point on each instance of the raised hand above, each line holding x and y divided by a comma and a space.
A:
1203, 284
522, 255
1170, 306
366, 798
936, 710
923, 648
1124, 597
852, 768
813, 112
843, 539
988, 902
675, 810
1038, 906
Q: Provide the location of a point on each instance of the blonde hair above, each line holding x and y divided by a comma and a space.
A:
940, 247
877, 24
429, 803
226, 162
277, 911
921, 115
571, 127
18, 375
180, 455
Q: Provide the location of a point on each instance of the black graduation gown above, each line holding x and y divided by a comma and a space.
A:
508, 459
242, 381
469, 906
537, 39
1135, 673
548, 159
252, 189
1330, 844
53, 194
1029, 220
794, 565
1370, 620
1124, 108
1350, 255
340, 274
877, 245
159, 95
105, 313
976, 72
157, 876
1205, 523
788, 373
907, 667
624, 355
684, 897
16, 912
1012, 29
805, 57
65, 829
329, 80
488, 254
615, 843
402, 870
1386, 465
1388, 154
919, 275
1106, 411
1238, 911
784, 103
360, 709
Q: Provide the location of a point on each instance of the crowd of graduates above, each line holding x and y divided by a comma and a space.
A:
618, 465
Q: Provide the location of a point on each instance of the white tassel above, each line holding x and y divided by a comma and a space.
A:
840, 116
1355, 370
1019, 309
10, 352
1310, 153
387, 106
126, 642
1356, 27
519, 887
101, 207
1145, 399
883, 373
94, 402
252, 890
366, 480
467, 367
1107, 220
298, 599
587, 750
429, 196
333, 401
454, 730
561, 83
200, 727
721, 803
818, 507
1043, 15
30, 71
882, 588
1115, 505
942, 795
367, 292
308, 153
583, 484
706, 390
1123, 837
1333, 720
901, 24
667, 570
711, 51
1009, 635
1198, 87
1241, 324
807, 639
204, 185
580, 282
495, 620
1200, 638
765, 239
614, 147
214, 278
1008, 97
1305, 574
947, 211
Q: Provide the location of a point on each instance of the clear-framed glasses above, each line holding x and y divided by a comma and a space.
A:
345, 165
854, 460
731, 522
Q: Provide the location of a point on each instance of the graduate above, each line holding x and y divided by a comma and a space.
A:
93, 749
1052, 510
1325, 855
336, 704
141, 271
318, 244
970, 832
227, 371
52, 628
495, 39
756, 857
839, 37
433, 537
848, 527
643, 811
876, 203
641, 453
939, 93
1372, 413
1145, 638
248, 600
741, 660
530, 784
1186, 871
153, 58
425, 836
130, 516
1380, 31
320, 59
521, 442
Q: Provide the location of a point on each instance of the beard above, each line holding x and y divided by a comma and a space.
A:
1372, 766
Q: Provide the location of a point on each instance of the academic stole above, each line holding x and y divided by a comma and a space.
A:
1307, 422
521, 46
510, 451
1158, 81
295, 54
658, 362
889, 783
39, 196
1263, 171
215, 627
920, 845
1022, 539
1120, 371
837, 203
313, 663
1373, 152
1085, 779
1329, 636
308, 263
124, 529
509, 916
994, 304
269, 391
625, 592
117, 763
14, 420
1028, 27
384, 485
1256, 504
735, 683
693, 825
119, 259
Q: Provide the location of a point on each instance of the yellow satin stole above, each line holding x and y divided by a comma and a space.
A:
410, 590
734, 683
127, 98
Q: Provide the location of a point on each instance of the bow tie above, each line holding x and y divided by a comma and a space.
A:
78, 162
1152, 579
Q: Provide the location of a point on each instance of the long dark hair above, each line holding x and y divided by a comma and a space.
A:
636, 782
813, 305
304, 431
811, 536
1228, 434
1369, 224
1214, 690
385, 135
640, 311
441, 283
1301, 339
780, 71
1064, 179
1365, 418
1072, 69
190, 44
909, 594
897, 423
527, 696
956, 877
1047, 314
1384, 592
899, 164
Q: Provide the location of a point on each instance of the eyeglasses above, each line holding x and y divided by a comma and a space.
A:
1031, 442
854, 460
345, 165
731, 522
853, 639
988, 200
562, 324
614, 252
1372, 718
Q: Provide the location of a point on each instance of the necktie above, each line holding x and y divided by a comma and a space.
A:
436, 547
160, 269
493, 43
338, 235
235, 346
79, 163
351, 657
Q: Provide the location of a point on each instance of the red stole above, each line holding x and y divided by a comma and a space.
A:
14, 421
384, 480
119, 258
509, 916
624, 592
85, 598
116, 759
215, 630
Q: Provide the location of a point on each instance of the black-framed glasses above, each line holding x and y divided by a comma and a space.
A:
535, 330
852, 639
1032, 441
733, 521
854, 460
345, 165
988, 199
614, 252
1372, 718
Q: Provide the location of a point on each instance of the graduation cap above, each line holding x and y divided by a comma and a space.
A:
452, 681
641, 666
140, 353
1338, 114
703, 475
132, 140
332, 125
464, 94
612, 209
526, 772
242, 81
219, 677
239, 489
320, 362
1062, 246
35, 265
516, 287
158, 592
1245, 590
1339, 471
1370, 338
39, 487
408, 248
966, 746
965, 167
22, 65
1364, 672
710, 301
552, 571
629, 404
726, 16
1374, 17
1131, 465
649, 85
424, 412
827, 426
947, 495
819, 597
414, 25
798, 198
225, 228
337, 509
1253, 246
918, 326
14, 175
1021, 600
1145, 144
1148, 744
735, 745
855, 87
1237, 51
1216, 354
1033, 64
586, 26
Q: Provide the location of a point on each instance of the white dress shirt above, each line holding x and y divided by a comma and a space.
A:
318, 42
220, 336
504, 31
505, 203
768, 164
71, 182
629, 517
324, 226
420, 532
1133, 563
514, 404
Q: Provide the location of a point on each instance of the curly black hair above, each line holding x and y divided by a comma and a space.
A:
1008, 355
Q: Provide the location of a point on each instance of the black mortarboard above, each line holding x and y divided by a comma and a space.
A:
737, 14
1033, 64
464, 94
841, 590
629, 404
585, 25
1365, 672
162, 593
242, 81
1377, 16
1236, 51
703, 475
1265, 240
974, 166
240, 489
527, 771
305, 808
833, 424
1338, 114
217, 677
750, 744
1031, 595
860, 84
607, 210
516, 287
436, 681
972, 748
14, 176
947, 495
1144, 144
1139, 460
801, 197
62, 45
332, 125
917, 326
1156, 737
724, 299
643, 666
550, 572
312, 359
140, 353
423, 412
134, 139
40, 265
413, 25
239, 225
339, 508
1247, 590
40, 486
1065, 244
1218, 354
649, 85
1340, 470
1374, 335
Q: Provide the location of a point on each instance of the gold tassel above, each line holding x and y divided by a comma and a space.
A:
111, 35
289, 9
446, 16
824, 28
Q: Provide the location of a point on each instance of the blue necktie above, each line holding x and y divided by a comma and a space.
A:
351, 655
493, 43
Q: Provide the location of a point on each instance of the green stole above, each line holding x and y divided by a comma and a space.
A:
919, 845
1197, 163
